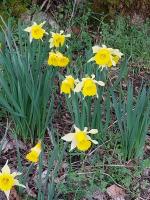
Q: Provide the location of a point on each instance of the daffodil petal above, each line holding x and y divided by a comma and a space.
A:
117, 52
68, 35
28, 29
104, 46
42, 23
96, 48
85, 129
7, 194
61, 32
76, 128
68, 137
18, 184
93, 131
93, 76
101, 83
91, 59
94, 141
31, 38
73, 145
78, 87
51, 43
14, 174
6, 168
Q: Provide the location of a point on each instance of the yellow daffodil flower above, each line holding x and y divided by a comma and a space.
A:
8, 180
105, 57
36, 31
80, 139
67, 85
116, 56
57, 59
88, 86
58, 39
34, 153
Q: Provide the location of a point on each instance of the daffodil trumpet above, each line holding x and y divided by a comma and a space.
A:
33, 155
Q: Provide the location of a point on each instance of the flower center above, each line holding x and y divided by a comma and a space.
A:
37, 32
6, 181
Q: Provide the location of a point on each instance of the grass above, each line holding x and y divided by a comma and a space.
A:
100, 170
133, 40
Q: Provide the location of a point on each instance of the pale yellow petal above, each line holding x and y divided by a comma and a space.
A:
73, 145
93, 131
104, 46
31, 38
117, 53
85, 129
96, 48
6, 168
93, 76
7, 194
14, 174
42, 23
91, 59
18, 184
68, 35
68, 137
94, 141
101, 83
28, 29
76, 128
78, 87
51, 43
61, 32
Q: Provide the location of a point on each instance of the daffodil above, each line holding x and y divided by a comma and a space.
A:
8, 180
116, 56
36, 31
105, 57
33, 155
67, 85
58, 39
88, 86
80, 139
57, 59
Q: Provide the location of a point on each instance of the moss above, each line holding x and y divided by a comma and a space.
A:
13, 8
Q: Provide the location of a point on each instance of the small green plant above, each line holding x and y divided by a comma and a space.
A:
133, 117
132, 40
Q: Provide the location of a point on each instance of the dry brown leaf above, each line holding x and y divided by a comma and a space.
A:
9, 144
13, 195
116, 193
98, 195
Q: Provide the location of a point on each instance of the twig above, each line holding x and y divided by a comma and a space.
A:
73, 11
